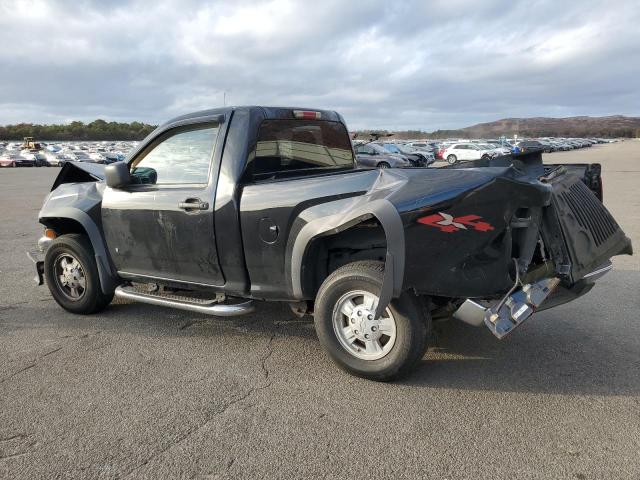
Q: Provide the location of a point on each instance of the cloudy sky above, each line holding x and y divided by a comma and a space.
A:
383, 64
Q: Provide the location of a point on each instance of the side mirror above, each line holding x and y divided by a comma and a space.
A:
117, 175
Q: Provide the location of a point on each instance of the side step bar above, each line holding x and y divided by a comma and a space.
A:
209, 307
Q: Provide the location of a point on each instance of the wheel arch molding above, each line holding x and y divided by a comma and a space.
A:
384, 212
60, 219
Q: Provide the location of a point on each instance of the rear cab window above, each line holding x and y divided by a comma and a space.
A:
291, 148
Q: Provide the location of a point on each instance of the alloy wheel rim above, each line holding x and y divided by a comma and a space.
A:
70, 277
358, 332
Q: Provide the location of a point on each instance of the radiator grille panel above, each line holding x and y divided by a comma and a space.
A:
589, 212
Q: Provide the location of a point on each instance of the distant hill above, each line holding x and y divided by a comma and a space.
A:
613, 126
610, 127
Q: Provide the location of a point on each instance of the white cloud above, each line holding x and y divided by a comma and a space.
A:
410, 64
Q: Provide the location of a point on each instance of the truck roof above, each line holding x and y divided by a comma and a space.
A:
266, 112
218, 114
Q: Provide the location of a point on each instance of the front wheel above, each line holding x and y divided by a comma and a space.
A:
383, 165
377, 349
72, 275
452, 159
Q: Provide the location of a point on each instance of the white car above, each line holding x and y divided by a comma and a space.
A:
500, 150
465, 151
27, 154
55, 159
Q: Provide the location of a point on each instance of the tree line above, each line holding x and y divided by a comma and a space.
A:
103, 130
96, 130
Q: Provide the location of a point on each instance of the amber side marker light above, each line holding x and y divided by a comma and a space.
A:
49, 233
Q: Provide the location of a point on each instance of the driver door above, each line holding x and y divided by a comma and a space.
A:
161, 226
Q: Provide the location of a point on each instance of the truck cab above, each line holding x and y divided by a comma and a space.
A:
185, 215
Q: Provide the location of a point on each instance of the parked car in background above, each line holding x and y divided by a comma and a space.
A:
547, 147
425, 146
40, 159
82, 156
111, 157
466, 151
527, 146
426, 157
417, 159
55, 159
374, 155
498, 149
15, 159
28, 154
559, 146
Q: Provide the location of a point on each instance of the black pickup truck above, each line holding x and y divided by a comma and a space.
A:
222, 208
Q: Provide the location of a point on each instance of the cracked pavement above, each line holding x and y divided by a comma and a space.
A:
147, 392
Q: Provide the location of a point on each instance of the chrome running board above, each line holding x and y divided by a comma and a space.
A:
209, 307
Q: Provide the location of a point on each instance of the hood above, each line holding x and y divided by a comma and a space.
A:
78, 172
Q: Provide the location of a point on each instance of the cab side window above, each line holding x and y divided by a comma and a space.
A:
182, 157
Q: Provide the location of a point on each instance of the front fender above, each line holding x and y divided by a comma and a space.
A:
81, 203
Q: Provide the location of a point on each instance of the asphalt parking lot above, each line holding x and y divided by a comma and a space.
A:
146, 392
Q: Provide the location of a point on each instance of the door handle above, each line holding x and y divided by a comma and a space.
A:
193, 204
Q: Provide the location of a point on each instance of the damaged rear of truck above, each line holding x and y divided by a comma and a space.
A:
276, 209
550, 241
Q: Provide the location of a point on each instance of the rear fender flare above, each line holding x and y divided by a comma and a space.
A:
389, 218
108, 279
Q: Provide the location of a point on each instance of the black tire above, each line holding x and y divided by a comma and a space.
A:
411, 324
383, 165
78, 247
452, 159
485, 157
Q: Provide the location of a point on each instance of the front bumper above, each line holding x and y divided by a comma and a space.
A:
37, 257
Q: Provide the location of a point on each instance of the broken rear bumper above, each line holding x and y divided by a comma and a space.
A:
504, 316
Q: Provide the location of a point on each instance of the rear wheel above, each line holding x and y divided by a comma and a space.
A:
383, 165
452, 159
378, 349
72, 275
